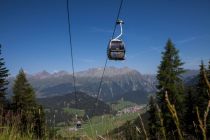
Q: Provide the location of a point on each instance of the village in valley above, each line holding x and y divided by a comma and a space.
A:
132, 109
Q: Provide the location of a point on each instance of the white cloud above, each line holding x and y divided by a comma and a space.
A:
186, 40
189, 39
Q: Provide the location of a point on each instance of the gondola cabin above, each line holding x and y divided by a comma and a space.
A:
116, 50
79, 124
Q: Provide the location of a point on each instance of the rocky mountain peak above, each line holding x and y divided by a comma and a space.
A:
42, 75
60, 73
109, 72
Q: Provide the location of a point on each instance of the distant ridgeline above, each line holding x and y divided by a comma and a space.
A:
118, 83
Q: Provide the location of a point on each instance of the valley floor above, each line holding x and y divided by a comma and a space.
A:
98, 126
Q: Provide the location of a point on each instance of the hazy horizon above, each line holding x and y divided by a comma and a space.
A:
70, 72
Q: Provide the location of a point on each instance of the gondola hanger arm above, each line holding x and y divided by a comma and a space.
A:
120, 22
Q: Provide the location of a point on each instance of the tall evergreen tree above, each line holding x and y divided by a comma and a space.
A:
202, 91
203, 95
208, 73
169, 80
31, 114
39, 122
190, 112
153, 125
4, 73
24, 95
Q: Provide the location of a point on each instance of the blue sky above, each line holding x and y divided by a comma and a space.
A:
34, 33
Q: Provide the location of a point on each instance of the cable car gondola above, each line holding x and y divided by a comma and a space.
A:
116, 47
79, 124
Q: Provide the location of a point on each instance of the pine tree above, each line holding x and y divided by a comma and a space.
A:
31, 114
24, 101
169, 80
153, 120
202, 91
190, 113
208, 120
39, 122
208, 73
4, 73
202, 95
24, 95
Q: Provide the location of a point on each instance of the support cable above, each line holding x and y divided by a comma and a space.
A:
71, 48
102, 77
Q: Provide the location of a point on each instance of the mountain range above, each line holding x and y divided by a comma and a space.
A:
117, 83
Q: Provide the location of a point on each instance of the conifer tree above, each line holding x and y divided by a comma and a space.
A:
202, 91
153, 119
202, 95
39, 122
31, 114
24, 101
4, 73
190, 112
208, 73
24, 95
169, 80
